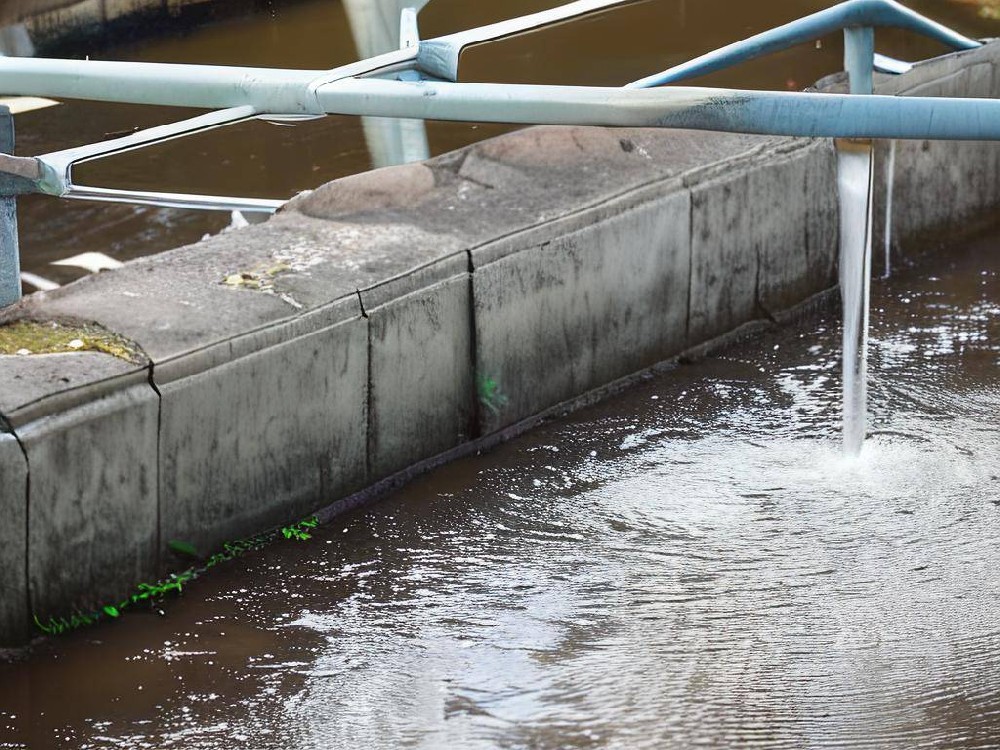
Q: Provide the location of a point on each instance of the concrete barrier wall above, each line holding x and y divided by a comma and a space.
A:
26, 25
47, 16
14, 606
386, 319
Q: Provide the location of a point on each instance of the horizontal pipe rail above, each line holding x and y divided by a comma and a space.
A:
57, 166
763, 112
758, 112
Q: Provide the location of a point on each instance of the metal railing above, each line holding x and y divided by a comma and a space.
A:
420, 81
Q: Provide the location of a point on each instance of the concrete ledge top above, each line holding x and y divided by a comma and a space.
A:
33, 386
507, 184
366, 233
350, 246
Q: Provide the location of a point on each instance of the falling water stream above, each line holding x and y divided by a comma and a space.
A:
854, 184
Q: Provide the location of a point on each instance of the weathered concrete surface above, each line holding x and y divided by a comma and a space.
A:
259, 440
84, 529
48, 19
401, 313
18, 10
562, 317
41, 385
422, 399
92, 527
14, 614
941, 188
762, 238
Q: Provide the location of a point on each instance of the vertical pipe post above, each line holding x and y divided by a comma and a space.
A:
10, 260
859, 59
854, 181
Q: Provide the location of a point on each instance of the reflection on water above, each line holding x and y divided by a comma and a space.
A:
264, 160
375, 27
693, 564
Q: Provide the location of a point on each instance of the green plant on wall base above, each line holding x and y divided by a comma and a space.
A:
152, 593
300, 530
490, 395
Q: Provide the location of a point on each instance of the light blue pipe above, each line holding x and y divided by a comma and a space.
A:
10, 259
854, 13
760, 112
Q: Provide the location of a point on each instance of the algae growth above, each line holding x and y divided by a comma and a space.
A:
25, 337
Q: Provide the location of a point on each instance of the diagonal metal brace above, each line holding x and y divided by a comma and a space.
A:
851, 14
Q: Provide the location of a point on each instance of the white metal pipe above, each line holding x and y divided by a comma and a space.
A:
296, 92
58, 165
175, 200
268, 90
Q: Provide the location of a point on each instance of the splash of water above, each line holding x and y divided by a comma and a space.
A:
854, 186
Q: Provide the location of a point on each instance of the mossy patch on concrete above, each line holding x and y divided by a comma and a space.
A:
25, 337
260, 277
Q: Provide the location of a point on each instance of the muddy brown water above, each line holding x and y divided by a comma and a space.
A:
264, 160
690, 564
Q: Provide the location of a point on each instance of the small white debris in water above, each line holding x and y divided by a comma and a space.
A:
75, 344
44, 285
236, 221
777, 346
20, 104
655, 398
92, 262
23, 352
291, 301
593, 454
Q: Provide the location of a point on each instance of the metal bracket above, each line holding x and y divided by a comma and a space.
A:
57, 167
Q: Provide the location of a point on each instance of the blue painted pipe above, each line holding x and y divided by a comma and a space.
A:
855, 13
10, 259
759, 112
